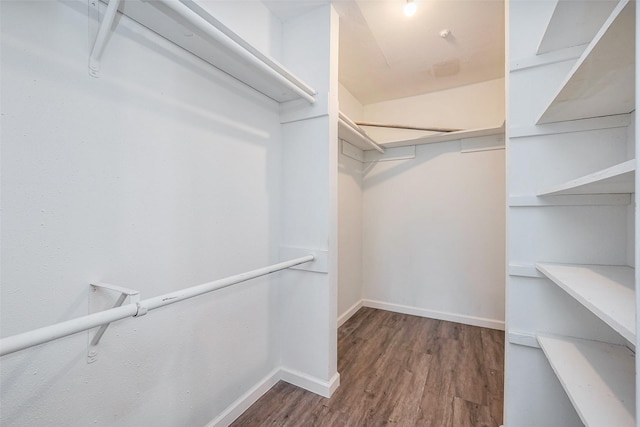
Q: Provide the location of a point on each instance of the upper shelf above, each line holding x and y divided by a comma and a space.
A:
602, 82
588, 16
191, 27
599, 379
607, 291
353, 134
448, 136
618, 179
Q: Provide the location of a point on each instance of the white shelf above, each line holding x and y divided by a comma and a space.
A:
354, 135
599, 379
449, 136
588, 17
191, 27
602, 83
618, 179
607, 291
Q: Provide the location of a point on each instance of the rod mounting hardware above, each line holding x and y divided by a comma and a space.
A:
101, 38
134, 298
142, 310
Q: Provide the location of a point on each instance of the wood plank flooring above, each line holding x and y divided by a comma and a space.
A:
399, 370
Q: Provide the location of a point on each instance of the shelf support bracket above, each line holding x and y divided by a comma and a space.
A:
134, 298
101, 38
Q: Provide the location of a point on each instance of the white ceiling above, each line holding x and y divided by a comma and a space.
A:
386, 55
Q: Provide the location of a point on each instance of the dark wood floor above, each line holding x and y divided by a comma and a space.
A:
400, 370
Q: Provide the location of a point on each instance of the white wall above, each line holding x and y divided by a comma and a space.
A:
350, 268
434, 233
349, 105
349, 219
476, 106
432, 227
150, 177
309, 182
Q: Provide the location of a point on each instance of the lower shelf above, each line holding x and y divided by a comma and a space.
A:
599, 378
606, 290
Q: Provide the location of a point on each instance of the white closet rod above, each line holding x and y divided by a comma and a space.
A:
215, 29
49, 333
348, 122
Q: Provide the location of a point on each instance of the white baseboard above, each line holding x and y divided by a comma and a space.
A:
312, 384
350, 312
433, 314
243, 403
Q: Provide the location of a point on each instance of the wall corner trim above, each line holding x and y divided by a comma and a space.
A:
439, 315
299, 379
350, 312
312, 384
243, 403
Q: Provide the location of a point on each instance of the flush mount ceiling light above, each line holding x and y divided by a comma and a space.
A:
410, 8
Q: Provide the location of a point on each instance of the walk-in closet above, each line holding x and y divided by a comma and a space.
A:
317, 213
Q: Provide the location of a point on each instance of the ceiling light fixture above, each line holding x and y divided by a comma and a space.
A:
410, 8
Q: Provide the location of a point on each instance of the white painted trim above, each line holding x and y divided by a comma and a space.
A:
320, 264
245, 401
523, 338
312, 384
446, 137
554, 57
582, 125
299, 109
433, 314
570, 200
524, 270
477, 150
352, 151
240, 405
350, 312
397, 153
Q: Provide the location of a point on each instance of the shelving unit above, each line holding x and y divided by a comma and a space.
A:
599, 379
191, 27
606, 290
602, 82
593, 260
618, 179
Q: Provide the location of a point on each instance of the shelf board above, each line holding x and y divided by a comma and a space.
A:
168, 24
602, 83
449, 136
599, 379
607, 291
354, 135
586, 19
618, 179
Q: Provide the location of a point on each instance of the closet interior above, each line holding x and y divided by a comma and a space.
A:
149, 147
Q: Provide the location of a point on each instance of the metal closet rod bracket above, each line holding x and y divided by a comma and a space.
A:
103, 32
134, 298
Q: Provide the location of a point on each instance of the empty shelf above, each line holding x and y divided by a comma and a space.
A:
607, 291
602, 83
588, 17
614, 180
191, 27
599, 379
353, 134
448, 136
